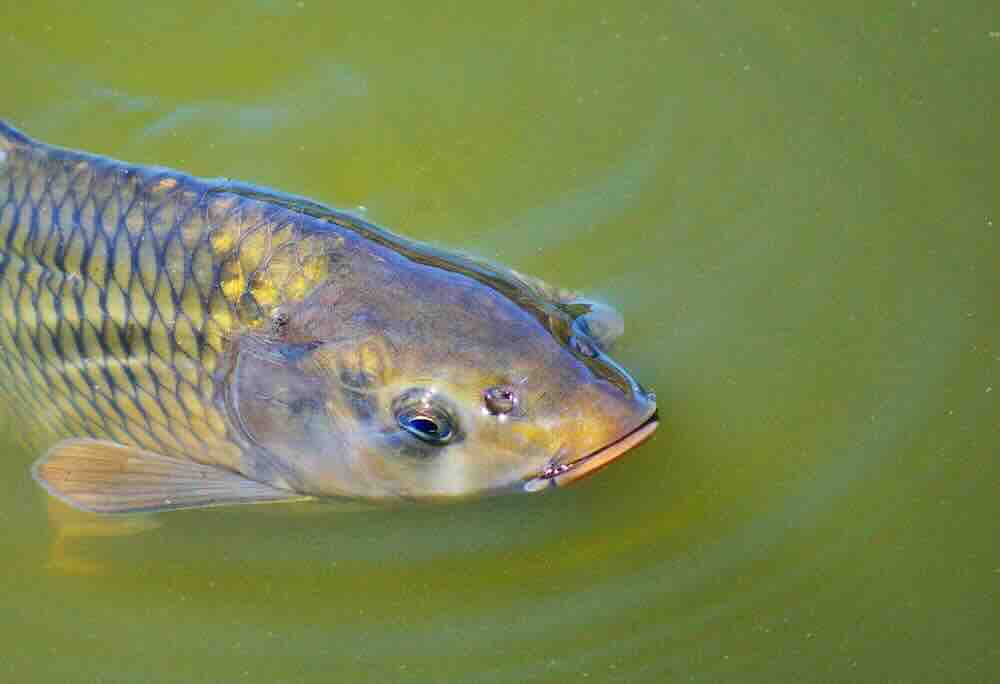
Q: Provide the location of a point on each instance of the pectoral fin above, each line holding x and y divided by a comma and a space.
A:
105, 477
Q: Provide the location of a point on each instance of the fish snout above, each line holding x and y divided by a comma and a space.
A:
620, 413
613, 423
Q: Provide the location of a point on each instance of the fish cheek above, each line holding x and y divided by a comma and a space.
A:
354, 374
358, 366
278, 406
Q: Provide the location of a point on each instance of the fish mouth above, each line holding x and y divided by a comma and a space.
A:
562, 474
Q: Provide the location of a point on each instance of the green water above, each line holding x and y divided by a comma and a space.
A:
798, 211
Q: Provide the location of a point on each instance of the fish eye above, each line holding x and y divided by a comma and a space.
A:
426, 424
583, 346
499, 400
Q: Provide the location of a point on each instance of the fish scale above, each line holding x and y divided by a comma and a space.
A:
173, 342
119, 287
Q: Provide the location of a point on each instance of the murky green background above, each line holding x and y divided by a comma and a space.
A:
798, 210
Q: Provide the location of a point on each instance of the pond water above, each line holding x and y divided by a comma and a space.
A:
797, 211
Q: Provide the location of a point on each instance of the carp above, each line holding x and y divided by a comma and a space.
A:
170, 342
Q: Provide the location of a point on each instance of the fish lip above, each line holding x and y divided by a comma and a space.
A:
562, 474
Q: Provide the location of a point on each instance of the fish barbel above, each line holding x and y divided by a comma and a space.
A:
168, 341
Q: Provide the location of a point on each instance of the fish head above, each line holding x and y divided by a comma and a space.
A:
414, 380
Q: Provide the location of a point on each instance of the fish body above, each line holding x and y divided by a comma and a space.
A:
176, 341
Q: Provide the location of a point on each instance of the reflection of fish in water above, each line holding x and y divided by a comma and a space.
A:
181, 342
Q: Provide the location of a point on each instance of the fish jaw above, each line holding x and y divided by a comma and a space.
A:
561, 474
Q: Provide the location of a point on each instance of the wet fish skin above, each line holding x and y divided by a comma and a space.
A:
183, 341
119, 285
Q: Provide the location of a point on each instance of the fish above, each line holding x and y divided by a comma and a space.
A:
169, 342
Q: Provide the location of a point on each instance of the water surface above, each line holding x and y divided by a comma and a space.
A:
795, 208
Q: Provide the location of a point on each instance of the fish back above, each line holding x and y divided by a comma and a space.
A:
121, 287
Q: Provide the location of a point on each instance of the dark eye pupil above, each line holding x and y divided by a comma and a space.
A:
424, 424
426, 416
